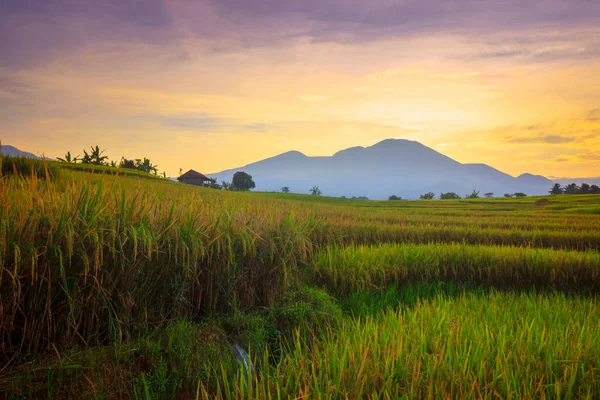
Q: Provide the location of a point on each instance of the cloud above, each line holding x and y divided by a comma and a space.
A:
589, 156
594, 115
312, 98
357, 20
543, 138
257, 127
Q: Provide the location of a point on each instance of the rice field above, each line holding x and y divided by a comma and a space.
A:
116, 286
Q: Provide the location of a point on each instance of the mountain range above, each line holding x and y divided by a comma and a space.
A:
392, 167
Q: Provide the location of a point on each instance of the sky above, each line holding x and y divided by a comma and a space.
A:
212, 85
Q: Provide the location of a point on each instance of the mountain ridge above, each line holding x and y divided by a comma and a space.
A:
393, 166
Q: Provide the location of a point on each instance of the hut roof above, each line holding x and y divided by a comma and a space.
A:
191, 174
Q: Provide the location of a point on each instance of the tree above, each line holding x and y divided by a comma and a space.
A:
113, 164
214, 185
594, 189
226, 185
315, 191
68, 159
584, 188
489, 195
556, 189
474, 195
508, 195
285, 189
95, 156
571, 188
242, 181
129, 164
449, 196
145, 166
427, 196
519, 194
394, 197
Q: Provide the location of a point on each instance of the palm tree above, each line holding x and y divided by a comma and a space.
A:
315, 191
556, 189
95, 156
68, 159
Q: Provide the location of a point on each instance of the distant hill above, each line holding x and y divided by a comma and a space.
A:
13, 151
394, 166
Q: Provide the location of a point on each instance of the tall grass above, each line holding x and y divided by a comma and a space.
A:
344, 270
25, 166
90, 259
89, 263
501, 345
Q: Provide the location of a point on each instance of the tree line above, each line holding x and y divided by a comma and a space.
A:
572, 188
97, 157
454, 196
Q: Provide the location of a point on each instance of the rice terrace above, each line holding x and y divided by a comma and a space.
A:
127, 286
300, 199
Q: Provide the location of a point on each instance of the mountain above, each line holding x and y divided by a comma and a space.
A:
394, 166
13, 151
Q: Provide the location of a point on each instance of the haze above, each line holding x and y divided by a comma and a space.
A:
212, 85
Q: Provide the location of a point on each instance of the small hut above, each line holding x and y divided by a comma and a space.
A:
195, 178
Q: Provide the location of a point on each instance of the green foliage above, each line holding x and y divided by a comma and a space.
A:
359, 267
68, 158
214, 185
449, 196
94, 157
472, 345
28, 167
474, 195
147, 283
520, 194
226, 185
242, 181
394, 197
310, 309
427, 196
572, 188
285, 189
315, 191
144, 165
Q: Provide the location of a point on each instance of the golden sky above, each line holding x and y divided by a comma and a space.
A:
213, 85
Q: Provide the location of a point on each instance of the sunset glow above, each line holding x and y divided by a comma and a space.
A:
212, 85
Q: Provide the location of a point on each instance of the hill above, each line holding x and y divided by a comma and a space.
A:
13, 151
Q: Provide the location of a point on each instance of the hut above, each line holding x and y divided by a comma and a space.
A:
195, 178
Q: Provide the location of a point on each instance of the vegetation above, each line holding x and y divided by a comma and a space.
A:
117, 286
427, 196
242, 181
449, 196
315, 191
572, 188
30, 167
394, 197
96, 158
474, 195
285, 189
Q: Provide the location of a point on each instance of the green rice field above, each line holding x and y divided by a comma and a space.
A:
117, 286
